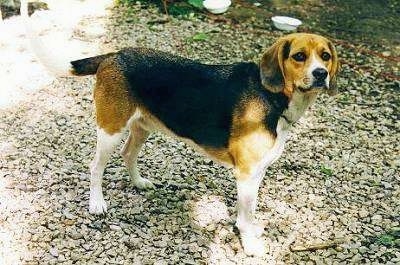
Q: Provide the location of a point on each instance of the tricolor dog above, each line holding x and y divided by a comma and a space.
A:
239, 114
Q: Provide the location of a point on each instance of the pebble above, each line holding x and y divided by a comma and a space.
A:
376, 219
115, 228
75, 235
53, 252
363, 213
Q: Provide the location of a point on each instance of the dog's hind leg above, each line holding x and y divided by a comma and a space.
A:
113, 111
130, 152
106, 144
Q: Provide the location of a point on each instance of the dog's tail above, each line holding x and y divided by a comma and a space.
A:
53, 62
88, 66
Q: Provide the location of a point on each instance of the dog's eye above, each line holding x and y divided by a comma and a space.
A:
299, 57
325, 56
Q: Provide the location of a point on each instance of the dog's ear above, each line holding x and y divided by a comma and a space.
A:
271, 65
333, 71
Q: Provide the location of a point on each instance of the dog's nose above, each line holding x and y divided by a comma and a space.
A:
320, 73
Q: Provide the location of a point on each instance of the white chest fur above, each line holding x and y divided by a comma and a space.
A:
297, 106
276, 151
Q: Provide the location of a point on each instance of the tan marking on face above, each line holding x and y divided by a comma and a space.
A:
297, 73
113, 104
281, 72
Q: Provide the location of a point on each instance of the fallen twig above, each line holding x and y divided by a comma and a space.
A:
165, 7
315, 246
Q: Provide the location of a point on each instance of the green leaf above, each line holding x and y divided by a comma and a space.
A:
180, 9
327, 171
386, 240
201, 36
196, 3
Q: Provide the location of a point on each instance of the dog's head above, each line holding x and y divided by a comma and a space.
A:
306, 62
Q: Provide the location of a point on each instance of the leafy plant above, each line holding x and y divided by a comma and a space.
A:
201, 36
196, 3
327, 171
386, 240
391, 238
180, 10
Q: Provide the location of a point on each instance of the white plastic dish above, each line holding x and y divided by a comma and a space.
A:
217, 6
286, 23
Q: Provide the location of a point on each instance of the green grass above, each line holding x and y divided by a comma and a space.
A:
181, 9
390, 238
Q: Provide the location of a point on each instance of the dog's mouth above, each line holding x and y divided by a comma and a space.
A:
311, 88
314, 86
319, 84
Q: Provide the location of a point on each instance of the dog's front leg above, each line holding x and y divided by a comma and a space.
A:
250, 233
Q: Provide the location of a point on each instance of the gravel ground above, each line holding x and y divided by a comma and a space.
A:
338, 178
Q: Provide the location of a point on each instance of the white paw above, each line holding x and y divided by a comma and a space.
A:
97, 205
251, 229
142, 183
258, 230
253, 246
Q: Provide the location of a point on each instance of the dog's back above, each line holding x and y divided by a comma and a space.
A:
194, 100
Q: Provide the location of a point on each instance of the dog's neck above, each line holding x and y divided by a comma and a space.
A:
298, 104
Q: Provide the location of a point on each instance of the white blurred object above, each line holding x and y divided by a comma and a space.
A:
286, 23
217, 6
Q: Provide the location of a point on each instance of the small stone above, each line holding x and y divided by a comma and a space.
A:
61, 121
115, 228
363, 213
376, 219
356, 259
61, 258
96, 225
111, 252
387, 185
162, 244
363, 249
68, 215
75, 235
75, 256
142, 218
86, 246
134, 242
53, 252
211, 227
193, 248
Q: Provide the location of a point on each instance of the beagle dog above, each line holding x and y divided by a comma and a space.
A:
238, 114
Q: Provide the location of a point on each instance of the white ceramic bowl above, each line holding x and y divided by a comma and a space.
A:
217, 6
286, 23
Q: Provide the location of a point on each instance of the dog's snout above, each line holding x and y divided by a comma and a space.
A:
320, 73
